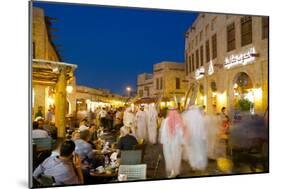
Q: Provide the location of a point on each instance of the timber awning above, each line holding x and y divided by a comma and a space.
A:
47, 72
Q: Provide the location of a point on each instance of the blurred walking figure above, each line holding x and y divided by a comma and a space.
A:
171, 136
195, 149
152, 123
225, 121
141, 120
212, 124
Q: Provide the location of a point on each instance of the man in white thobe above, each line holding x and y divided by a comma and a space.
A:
152, 116
129, 120
196, 145
141, 121
212, 124
171, 136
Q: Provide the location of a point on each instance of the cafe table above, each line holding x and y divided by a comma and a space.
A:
104, 177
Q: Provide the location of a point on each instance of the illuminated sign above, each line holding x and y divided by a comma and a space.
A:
240, 59
199, 73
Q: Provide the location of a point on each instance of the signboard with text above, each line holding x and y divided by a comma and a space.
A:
240, 59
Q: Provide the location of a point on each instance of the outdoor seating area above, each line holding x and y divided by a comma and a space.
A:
104, 161
98, 119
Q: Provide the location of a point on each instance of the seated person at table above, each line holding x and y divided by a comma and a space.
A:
84, 148
65, 168
38, 131
93, 132
83, 125
51, 129
88, 159
127, 141
75, 136
93, 135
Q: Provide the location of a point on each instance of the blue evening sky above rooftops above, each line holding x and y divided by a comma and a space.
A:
112, 45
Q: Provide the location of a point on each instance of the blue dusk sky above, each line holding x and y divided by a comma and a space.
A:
112, 45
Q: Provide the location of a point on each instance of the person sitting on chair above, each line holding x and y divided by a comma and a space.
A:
38, 131
88, 159
65, 168
127, 141
84, 148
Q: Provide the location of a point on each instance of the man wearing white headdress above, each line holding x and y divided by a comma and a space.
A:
171, 136
141, 120
152, 116
196, 145
129, 120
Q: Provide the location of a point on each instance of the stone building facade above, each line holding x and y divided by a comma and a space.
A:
52, 80
227, 56
145, 85
166, 82
88, 98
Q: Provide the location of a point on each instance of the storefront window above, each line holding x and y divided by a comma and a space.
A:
197, 59
243, 93
207, 51
193, 62
230, 37
214, 46
265, 23
246, 30
201, 55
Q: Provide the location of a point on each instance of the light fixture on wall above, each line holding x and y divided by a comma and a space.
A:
55, 69
69, 89
255, 54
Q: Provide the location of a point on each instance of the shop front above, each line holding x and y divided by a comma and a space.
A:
239, 84
247, 85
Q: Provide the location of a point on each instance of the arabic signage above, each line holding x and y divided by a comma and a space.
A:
240, 59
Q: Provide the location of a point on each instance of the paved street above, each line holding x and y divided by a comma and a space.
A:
153, 151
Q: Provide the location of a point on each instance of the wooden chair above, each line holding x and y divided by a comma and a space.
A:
131, 157
133, 172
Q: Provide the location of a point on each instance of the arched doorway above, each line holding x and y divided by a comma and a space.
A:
213, 87
243, 92
201, 96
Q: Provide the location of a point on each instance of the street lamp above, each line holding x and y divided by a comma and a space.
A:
128, 89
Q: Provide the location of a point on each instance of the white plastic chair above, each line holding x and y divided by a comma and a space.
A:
133, 172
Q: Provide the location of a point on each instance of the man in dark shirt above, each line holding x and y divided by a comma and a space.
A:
127, 141
39, 113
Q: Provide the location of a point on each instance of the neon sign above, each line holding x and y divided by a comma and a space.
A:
240, 59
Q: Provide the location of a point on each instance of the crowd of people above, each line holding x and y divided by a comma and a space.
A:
44, 126
192, 135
